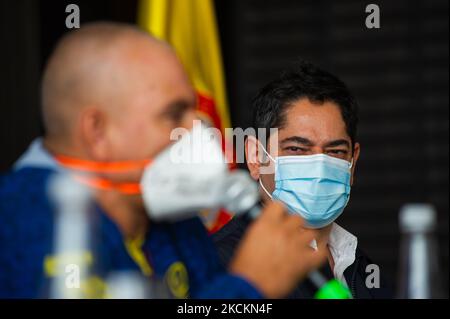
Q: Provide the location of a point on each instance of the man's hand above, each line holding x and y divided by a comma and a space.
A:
275, 254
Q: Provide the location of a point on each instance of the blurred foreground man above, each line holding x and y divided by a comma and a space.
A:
313, 161
111, 95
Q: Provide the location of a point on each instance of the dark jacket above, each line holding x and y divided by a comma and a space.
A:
227, 240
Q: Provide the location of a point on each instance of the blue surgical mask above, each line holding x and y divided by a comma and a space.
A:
317, 187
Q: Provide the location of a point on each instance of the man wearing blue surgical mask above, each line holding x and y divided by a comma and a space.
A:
309, 165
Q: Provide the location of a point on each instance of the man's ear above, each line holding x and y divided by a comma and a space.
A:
356, 152
93, 133
251, 155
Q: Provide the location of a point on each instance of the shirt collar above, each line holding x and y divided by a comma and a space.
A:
37, 156
342, 245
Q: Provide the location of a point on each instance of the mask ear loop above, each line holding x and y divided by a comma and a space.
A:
264, 189
265, 151
259, 180
351, 165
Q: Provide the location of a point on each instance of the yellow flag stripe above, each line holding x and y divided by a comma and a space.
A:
152, 16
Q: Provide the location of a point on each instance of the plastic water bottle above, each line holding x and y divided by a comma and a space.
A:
71, 240
419, 270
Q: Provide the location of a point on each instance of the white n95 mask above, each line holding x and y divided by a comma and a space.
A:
187, 177
317, 187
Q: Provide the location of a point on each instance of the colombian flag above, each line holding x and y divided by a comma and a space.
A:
190, 27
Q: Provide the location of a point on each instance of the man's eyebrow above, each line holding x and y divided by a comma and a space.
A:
179, 106
298, 140
340, 142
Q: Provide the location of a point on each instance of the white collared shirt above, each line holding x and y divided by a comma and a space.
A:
342, 245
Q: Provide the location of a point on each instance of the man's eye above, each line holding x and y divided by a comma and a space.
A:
337, 152
175, 116
295, 149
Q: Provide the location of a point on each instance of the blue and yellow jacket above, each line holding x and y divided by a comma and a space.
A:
181, 253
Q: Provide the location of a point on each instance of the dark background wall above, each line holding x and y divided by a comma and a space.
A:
399, 74
19, 77
28, 33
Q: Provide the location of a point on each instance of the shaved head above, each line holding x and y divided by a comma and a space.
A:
101, 65
112, 93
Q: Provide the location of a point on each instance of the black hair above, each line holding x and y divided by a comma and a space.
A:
304, 80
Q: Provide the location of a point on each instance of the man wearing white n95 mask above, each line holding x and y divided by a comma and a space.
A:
308, 165
111, 96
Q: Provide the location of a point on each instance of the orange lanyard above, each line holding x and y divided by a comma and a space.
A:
87, 167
